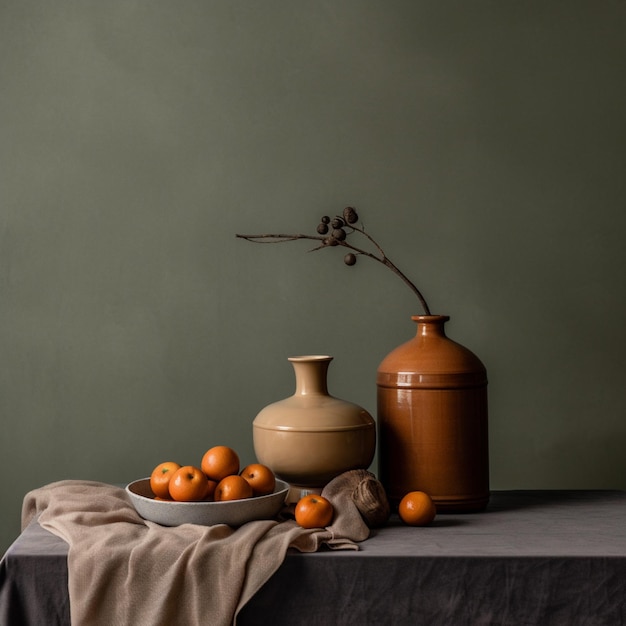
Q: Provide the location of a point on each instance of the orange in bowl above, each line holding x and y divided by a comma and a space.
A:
219, 462
188, 484
260, 477
233, 487
160, 478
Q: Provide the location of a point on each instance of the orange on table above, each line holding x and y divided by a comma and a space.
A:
232, 487
417, 509
314, 511
219, 462
260, 477
160, 478
188, 484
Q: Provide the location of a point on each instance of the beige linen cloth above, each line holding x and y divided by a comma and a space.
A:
125, 570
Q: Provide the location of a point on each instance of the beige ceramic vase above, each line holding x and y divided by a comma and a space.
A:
310, 437
432, 420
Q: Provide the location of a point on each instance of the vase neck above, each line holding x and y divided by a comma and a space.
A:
430, 325
311, 374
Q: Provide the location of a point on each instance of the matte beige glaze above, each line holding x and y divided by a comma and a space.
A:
432, 420
311, 437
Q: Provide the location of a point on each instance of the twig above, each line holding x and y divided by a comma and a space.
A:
341, 240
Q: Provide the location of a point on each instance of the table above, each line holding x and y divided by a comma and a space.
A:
533, 557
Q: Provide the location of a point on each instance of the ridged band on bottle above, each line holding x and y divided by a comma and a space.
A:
315, 429
412, 380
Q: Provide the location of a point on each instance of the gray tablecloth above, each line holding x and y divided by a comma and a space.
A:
534, 557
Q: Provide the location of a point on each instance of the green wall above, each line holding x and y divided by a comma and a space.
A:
484, 144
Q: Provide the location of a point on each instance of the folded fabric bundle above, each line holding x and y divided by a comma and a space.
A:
124, 570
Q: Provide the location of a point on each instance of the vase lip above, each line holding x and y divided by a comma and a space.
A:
430, 318
308, 358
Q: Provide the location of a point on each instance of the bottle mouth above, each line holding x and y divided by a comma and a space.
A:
430, 318
309, 358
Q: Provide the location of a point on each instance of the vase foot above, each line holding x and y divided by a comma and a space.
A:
296, 492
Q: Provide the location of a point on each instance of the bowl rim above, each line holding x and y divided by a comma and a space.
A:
281, 487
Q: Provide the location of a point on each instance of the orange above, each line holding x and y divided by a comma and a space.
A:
210, 492
233, 487
314, 511
417, 509
188, 484
160, 478
219, 462
260, 477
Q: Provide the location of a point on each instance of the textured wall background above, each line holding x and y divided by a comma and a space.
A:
484, 144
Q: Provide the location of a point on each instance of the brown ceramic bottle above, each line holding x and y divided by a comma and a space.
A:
432, 420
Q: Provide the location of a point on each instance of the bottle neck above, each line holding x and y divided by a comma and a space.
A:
311, 374
430, 325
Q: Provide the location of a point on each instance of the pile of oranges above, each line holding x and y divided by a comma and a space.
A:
216, 479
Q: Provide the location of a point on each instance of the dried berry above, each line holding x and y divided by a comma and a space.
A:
349, 259
325, 219
350, 215
322, 228
337, 222
339, 234
330, 241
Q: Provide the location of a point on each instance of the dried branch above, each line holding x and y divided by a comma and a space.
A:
342, 228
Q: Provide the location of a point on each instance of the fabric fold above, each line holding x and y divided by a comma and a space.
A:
126, 570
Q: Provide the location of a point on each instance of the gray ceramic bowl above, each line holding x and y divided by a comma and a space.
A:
233, 512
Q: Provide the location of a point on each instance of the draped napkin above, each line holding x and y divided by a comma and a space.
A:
124, 570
